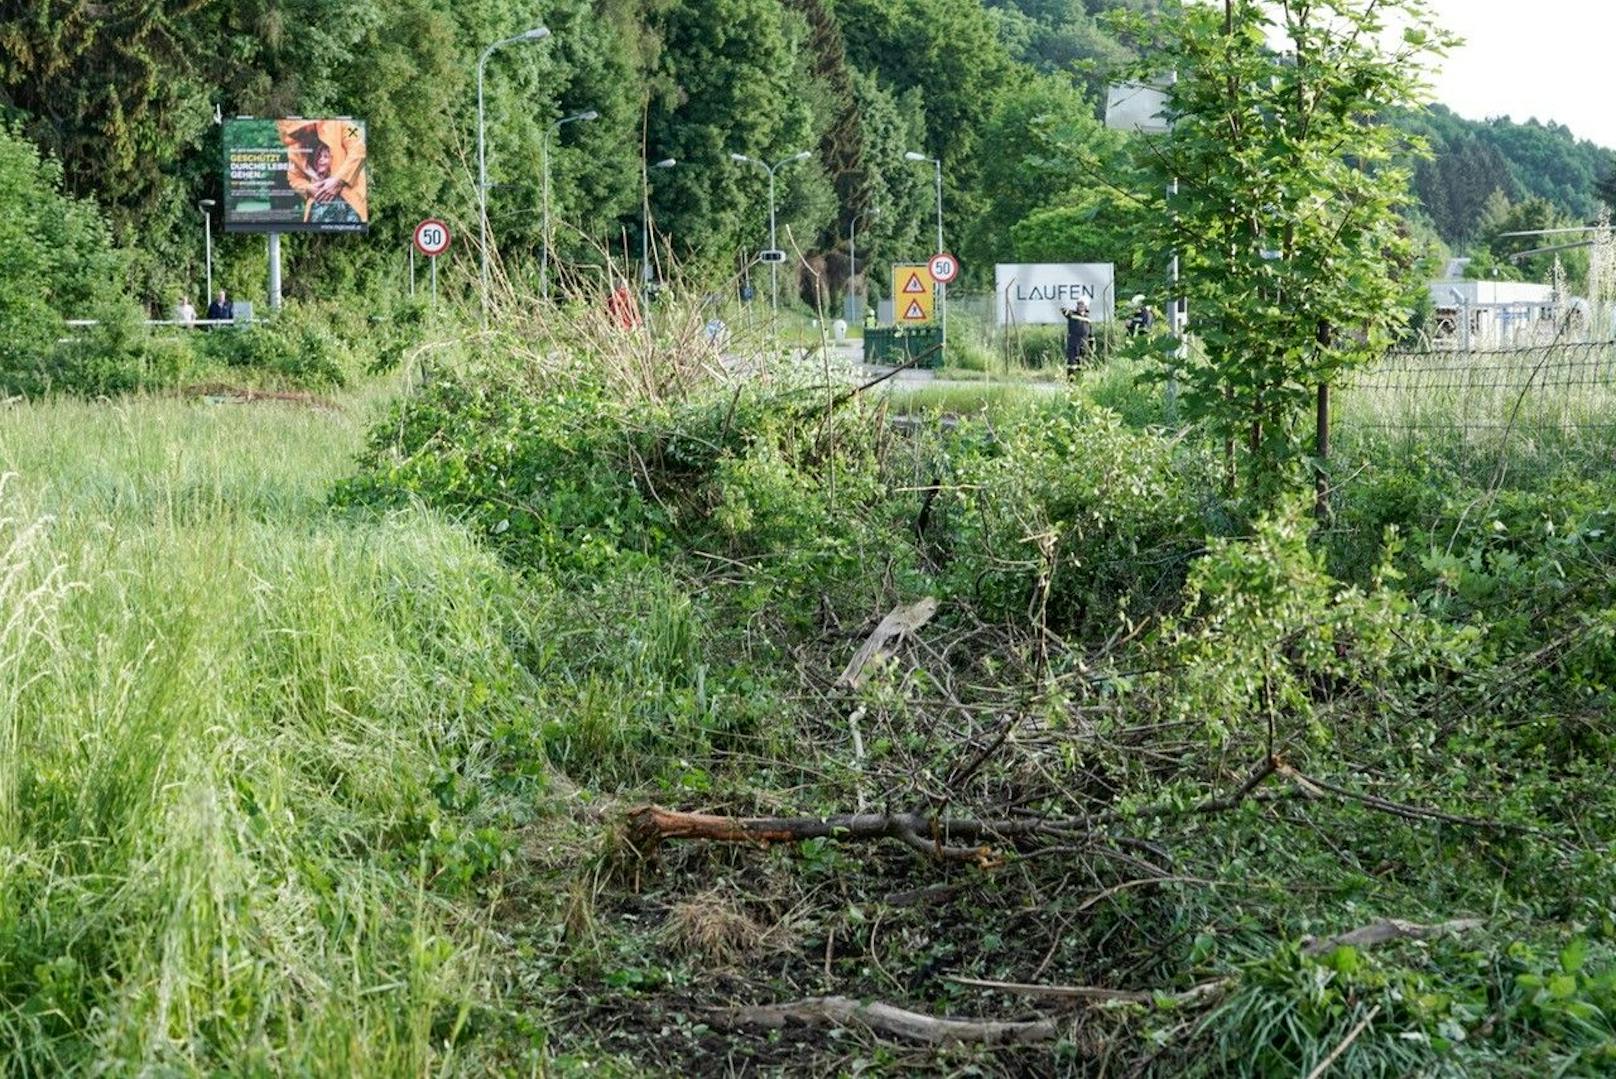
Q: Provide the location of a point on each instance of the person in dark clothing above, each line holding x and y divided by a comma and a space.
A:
1079, 336
1138, 323
221, 307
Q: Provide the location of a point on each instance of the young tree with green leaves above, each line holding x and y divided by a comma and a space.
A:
1288, 212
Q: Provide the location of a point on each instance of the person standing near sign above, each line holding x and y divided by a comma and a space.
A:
1138, 323
221, 309
184, 312
1079, 336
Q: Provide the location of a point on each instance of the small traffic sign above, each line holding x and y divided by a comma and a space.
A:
914, 298
944, 267
772, 254
432, 237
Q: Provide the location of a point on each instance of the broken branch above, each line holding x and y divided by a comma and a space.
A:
898, 1022
1390, 929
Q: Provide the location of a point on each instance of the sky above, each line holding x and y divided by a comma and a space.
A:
1551, 59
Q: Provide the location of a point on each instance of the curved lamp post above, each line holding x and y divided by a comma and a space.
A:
645, 240
942, 289
206, 206
774, 267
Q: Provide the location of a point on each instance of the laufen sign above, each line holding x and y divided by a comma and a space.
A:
1035, 292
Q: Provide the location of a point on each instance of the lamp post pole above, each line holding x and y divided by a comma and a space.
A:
645, 239
942, 289
544, 262
206, 206
538, 33
774, 267
852, 263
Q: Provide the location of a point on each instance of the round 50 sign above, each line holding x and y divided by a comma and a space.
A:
944, 267
432, 237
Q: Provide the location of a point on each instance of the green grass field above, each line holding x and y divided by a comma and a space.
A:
243, 748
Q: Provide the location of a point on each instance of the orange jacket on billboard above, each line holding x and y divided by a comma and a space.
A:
327, 158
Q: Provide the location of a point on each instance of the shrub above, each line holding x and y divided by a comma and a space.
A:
295, 346
1068, 513
59, 263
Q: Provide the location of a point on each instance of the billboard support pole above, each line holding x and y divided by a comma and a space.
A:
274, 271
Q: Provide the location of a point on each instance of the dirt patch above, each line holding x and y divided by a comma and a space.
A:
220, 393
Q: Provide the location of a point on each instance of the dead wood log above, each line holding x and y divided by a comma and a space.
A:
900, 622
650, 825
1095, 994
1386, 931
898, 1022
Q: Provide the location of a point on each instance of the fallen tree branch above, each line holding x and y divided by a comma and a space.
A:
1386, 931
898, 1022
1094, 993
1368, 936
650, 825
1352, 1036
1401, 809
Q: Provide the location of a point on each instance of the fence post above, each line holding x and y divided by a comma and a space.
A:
1321, 435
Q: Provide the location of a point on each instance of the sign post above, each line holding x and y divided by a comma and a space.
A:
432, 238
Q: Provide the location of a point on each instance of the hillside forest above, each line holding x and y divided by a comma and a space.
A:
1008, 94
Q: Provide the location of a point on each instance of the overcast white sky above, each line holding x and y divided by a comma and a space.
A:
1553, 59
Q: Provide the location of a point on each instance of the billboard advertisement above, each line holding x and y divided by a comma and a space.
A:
295, 175
1034, 293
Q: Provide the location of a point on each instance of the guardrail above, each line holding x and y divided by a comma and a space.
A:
79, 323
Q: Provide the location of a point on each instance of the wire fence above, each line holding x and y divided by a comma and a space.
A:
1563, 385
1533, 412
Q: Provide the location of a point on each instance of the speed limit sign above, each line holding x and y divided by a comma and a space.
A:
432, 237
944, 267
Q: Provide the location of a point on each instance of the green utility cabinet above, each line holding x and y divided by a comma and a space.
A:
894, 346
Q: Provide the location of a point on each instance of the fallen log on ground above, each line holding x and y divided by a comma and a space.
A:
1384, 932
650, 825
898, 1022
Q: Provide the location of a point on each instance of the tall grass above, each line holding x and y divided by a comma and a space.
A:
243, 745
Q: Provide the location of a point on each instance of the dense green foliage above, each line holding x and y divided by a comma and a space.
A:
1472, 159
1006, 93
727, 547
1294, 254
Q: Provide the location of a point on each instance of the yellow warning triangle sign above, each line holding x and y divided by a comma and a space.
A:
913, 285
914, 312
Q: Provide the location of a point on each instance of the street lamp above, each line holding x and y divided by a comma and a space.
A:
852, 262
645, 240
774, 267
544, 263
206, 206
942, 289
538, 33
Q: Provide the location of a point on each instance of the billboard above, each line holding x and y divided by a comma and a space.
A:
295, 175
1034, 292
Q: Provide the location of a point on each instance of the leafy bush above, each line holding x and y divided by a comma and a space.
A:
60, 263
1067, 514
296, 346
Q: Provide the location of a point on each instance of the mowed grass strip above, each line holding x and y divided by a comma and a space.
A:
244, 749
